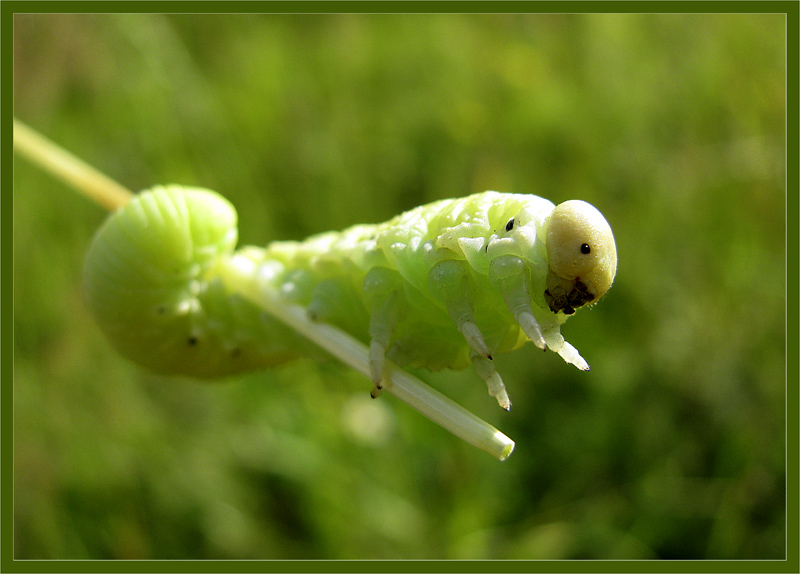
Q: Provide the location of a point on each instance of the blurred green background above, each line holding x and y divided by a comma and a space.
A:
672, 446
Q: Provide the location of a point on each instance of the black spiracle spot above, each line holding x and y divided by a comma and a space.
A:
510, 224
192, 341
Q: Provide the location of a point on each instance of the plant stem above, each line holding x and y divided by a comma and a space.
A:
68, 168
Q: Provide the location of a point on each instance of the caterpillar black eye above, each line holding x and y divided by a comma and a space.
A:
586, 249
510, 224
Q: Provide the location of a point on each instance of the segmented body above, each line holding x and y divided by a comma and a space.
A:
439, 286
327, 273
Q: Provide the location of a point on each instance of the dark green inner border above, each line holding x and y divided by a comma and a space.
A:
8, 564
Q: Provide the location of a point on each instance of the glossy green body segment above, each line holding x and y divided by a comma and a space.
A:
422, 260
441, 286
149, 283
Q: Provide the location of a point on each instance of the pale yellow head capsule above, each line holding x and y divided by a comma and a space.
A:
582, 256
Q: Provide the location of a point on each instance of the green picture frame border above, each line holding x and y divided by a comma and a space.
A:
791, 10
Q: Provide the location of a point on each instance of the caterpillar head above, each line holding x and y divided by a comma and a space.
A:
582, 256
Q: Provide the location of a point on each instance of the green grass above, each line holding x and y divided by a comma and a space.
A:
672, 446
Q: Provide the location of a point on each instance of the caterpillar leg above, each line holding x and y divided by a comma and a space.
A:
486, 371
377, 359
382, 289
509, 275
449, 280
556, 343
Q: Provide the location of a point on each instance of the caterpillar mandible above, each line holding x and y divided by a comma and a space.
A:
443, 285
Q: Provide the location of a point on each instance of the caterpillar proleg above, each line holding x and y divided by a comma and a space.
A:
443, 285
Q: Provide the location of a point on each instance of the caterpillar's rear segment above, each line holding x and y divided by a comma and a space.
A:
150, 282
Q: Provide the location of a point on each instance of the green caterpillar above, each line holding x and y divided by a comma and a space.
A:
444, 285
